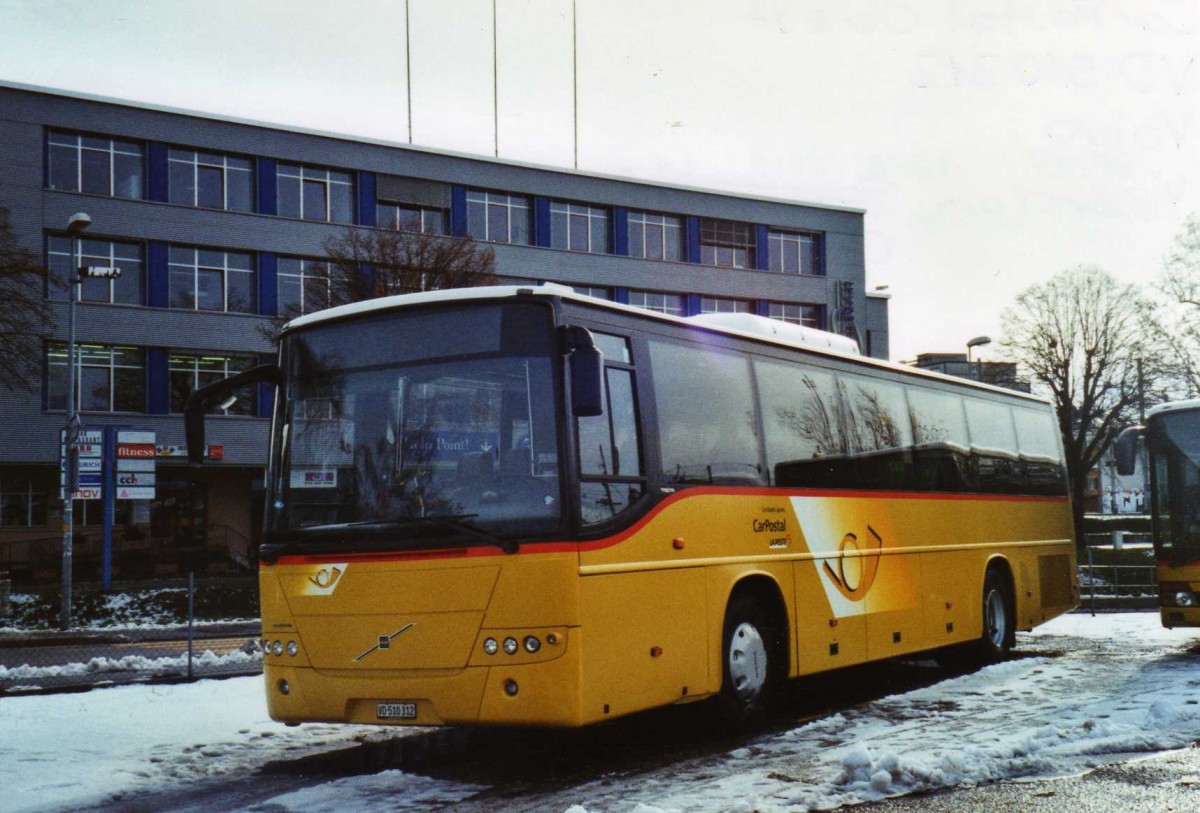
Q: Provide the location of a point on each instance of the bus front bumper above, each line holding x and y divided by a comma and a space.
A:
539, 694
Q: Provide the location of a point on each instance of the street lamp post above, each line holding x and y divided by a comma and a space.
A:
75, 226
978, 341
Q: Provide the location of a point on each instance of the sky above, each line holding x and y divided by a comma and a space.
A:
991, 144
1088, 690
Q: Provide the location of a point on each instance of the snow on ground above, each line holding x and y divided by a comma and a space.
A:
1093, 690
206, 661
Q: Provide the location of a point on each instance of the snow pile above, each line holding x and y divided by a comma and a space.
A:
394, 791
207, 661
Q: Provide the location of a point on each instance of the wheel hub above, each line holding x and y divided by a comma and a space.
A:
747, 661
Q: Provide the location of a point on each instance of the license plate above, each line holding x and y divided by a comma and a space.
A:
396, 711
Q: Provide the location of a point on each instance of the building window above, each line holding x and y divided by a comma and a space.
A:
655, 237
792, 252
22, 504
807, 315
592, 290
498, 217
126, 289
96, 165
189, 373
303, 286
656, 301
107, 379
577, 227
212, 280
726, 243
211, 181
315, 193
411, 218
709, 304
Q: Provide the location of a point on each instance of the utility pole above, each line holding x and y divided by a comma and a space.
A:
75, 226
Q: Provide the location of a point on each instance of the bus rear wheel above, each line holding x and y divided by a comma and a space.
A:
998, 613
751, 663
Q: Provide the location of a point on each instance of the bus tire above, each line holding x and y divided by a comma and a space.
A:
998, 618
751, 659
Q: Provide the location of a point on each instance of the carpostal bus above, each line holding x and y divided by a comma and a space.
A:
1172, 434
519, 505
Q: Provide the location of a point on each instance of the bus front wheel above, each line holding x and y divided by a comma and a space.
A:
751, 663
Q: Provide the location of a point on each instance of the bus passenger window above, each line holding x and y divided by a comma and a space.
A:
878, 433
802, 425
941, 455
707, 422
994, 458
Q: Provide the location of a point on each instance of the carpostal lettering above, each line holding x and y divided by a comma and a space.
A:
770, 526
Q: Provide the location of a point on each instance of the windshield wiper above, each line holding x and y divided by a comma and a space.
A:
450, 522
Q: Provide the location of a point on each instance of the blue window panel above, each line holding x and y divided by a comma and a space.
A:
158, 388
157, 275
266, 392
368, 275
621, 296
541, 222
762, 248
691, 227
268, 200
620, 231
367, 205
268, 283
156, 169
691, 304
819, 255
458, 210
762, 307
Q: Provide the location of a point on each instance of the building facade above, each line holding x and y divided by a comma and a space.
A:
218, 226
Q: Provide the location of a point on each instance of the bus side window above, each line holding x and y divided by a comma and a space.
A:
610, 458
707, 419
995, 461
802, 425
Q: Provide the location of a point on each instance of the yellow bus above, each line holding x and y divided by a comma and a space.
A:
1172, 434
518, 505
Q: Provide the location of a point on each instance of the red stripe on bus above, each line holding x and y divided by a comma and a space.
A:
616, 539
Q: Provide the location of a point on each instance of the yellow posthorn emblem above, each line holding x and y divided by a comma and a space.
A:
326, 577
856, 585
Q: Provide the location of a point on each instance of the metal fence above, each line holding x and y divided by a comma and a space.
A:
1111, 587
53, 661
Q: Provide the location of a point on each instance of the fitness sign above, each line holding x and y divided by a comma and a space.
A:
135, 471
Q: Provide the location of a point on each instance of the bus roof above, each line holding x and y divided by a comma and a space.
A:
828, 345
1172, 406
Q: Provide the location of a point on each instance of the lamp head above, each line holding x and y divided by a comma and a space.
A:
78, 222
979, 340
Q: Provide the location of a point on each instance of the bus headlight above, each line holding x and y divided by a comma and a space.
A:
277, 648
1185, 598
490, 646
293, 647
532, 644
510, 646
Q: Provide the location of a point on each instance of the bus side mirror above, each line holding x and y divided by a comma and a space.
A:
1125, 450
587, 372
219, 392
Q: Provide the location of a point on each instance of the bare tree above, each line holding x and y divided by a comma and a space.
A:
1175, 316
370, 263
1082, 334
25, 313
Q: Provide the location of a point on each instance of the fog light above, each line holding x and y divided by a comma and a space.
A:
277, 648
490, 646
532, 644
284, 688
1185, 598
510, 687
292, 648
510, 646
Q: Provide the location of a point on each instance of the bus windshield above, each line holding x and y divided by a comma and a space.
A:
410, 427
1175, 448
